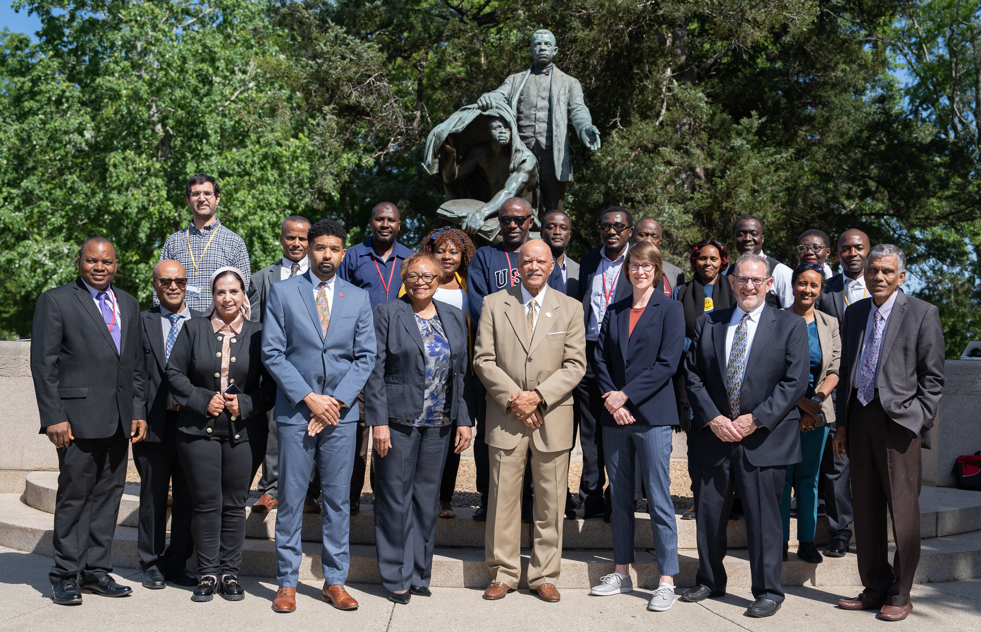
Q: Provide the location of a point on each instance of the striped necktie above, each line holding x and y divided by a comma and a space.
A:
736, 365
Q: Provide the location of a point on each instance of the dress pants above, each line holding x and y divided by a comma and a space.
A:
157, 464
481, 458
332, 450
551, 192
405, 503
91, 477
651, 445
803, 477
760, 489
591, 438
269, 482
217, 474
451, 468
888, 469
502, 546
836, 485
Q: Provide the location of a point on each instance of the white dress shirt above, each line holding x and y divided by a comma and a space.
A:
287, 265
330, 290
886, 310
855, 289
540, 299
782, 286
751, 325
608, 271
112, 301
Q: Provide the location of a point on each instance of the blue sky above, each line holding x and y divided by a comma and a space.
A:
18, 22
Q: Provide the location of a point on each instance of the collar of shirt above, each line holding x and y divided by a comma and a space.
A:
315, 280
304, 264
737, 314
565, 270
540, 299
886, 308
94, 291
184, 313
398, 250
850, 282
236, 325
538, 70
210, 226
614, 262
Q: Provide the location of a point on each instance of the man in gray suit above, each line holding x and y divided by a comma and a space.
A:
543, 98
892, 377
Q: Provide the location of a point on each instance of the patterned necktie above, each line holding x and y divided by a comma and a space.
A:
294, 269
737, 362
105, 305
530, 317
323, 308
171, 335
870, 361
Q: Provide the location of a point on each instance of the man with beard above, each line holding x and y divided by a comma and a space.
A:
747, 369
748, 237
557, 232
649, 229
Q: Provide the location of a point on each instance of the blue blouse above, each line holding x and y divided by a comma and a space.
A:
435, 403
814, 346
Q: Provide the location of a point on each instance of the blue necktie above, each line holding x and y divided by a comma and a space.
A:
172, 335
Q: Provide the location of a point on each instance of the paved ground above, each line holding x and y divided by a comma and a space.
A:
25, 605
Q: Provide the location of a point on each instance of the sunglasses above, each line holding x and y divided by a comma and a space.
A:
517, 220
810, 266
606, 226
181, 283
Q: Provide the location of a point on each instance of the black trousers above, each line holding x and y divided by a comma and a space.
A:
835, 481
451, 468
551, 192
158, 464
405, 506
760, 489
591, 438
91, 477
218, 476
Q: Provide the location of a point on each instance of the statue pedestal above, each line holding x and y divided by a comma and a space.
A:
956, 430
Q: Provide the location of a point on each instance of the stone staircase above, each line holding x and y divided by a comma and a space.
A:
950, 524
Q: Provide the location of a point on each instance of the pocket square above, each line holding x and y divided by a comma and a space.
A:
556, 333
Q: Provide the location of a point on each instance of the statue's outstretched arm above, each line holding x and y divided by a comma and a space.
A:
514, 184
581, 118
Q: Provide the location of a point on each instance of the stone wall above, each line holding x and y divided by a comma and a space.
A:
23, 449
957, 430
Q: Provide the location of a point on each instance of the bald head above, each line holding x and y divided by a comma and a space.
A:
535, 264
169, 269
853, 248
170, 284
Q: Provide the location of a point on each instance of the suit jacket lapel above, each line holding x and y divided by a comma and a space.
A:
514, 309
824, 337
623, 331
516, 95
337, 309
83, 296
719, 330
763, 330
408, 320
643, 321
856, 337
306, 295
546, 318
153, 322
893, 326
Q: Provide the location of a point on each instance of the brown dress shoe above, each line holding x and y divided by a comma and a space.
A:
336, 596
265, 504
311, 505
549, 593
497, 590
895, 613
862, 602
285, 600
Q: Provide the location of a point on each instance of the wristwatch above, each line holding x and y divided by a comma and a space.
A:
757, 422
817, 400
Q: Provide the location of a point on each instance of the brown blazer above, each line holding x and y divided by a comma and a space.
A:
828, 334
553, 362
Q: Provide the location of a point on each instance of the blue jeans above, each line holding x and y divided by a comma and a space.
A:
804, 477
652, 446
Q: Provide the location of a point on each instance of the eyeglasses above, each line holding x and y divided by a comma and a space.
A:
197, 194
606, 226
413, 277
646, 267
181, 283
517, 220
756, 281
813, 267
802, 248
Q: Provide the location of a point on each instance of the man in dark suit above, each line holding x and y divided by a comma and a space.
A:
840, 291
557, 233
603, 281
293, 239
746, 370
156, 456
87, 363
892, 377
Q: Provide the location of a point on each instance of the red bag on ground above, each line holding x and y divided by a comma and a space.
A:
967, 470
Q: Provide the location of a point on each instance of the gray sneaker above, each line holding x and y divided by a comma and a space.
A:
663, 599
613, 584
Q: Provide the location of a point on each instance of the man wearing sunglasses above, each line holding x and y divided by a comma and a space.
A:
492, 269
156, 456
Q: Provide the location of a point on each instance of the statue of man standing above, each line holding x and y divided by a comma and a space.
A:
543, 99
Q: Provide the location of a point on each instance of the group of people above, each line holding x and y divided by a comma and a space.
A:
786, 380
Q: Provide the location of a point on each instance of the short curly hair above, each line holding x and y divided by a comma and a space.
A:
442, 236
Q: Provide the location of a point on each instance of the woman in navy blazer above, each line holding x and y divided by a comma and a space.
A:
639, 348
417, 402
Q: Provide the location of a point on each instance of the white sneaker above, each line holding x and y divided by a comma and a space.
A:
663, 598
613, 584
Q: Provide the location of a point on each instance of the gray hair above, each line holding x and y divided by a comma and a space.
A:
542, 32
887, 250
752, 258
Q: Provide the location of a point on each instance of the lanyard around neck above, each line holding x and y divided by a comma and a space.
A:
214, 232
392, 272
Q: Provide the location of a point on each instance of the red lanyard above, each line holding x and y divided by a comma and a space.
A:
613, 285
510, 272
667, 286
389, 285
112, 321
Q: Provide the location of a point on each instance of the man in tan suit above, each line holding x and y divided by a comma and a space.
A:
530, 354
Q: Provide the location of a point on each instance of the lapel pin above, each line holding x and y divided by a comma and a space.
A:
548, 314
341, 294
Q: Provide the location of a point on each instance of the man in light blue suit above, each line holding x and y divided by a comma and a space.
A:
318, 343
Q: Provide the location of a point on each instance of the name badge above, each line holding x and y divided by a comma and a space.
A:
193, 290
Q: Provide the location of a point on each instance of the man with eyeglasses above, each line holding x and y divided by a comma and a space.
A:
495, 268
748, 237
746, 370
603, 282
205, 244
156, 456
814, 246
649, 229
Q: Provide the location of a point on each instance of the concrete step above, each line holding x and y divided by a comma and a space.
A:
947, 558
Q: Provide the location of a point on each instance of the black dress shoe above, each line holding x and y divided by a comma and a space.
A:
66, 592
205, 590
526, 517
355, 507
809, 553
400, 598
700, 593
688, 515
106, 586
786, 551
154, 580
838, 547
481, 514
422, 591
571, 505
180, 577
230, 589
762, 607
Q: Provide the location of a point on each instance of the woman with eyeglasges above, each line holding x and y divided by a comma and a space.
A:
637, 354
703, 294
417, 402
817, 411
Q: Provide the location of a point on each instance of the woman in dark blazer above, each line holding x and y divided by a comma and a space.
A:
417, 402
217, 378
640, 346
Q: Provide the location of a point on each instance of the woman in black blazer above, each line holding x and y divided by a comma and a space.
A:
637, 354
217, 378
417, 402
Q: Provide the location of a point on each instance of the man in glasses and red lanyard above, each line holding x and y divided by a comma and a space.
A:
602, 283
495, 268
373, 265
